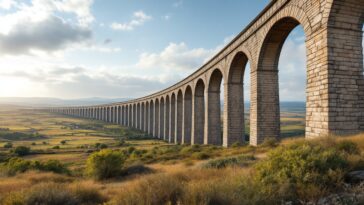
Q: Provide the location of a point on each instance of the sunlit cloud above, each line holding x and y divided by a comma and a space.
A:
139, 18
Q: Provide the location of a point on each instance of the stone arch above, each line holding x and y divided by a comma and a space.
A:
213, 134
147, 120
142, 116
198, 120
151, 118
119, 121
108, 114
167, 119
179, 116
173, 119
345, 37
265, 93
138, 117
156, 118
134, 115
130, 115
112, 114
123, 115
187, 115
161, 118
234, 99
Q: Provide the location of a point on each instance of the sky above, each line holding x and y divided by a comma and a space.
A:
125, 48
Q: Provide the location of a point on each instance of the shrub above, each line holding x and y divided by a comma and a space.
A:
50, 193
270, 142
63, 142
55, 194
100, 146
200, 155
105, 164
302, 170
16, 165
56, 147
348, 147
51, 166
8, 145
242, 160
87, 195
152, 190
22, 150
33, 143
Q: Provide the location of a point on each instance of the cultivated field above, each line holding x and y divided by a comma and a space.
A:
58, 166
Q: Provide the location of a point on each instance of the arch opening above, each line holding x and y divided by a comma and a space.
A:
167, 135
187, 116
142, 116
138, 116
172, 132
147, 116
151, 118
156, 119
235, 128
213, 134
199, 114
161, 119
179, 117
279, 54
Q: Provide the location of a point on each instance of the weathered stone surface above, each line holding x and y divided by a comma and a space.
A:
190, 112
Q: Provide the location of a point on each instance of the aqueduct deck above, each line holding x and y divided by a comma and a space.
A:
189, 111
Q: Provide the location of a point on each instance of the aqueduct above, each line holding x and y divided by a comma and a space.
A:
189, 111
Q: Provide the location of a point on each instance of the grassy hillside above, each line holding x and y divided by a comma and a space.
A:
67, 160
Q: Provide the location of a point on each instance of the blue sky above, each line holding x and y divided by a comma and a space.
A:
124, 48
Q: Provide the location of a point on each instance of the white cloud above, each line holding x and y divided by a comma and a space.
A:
139, 18
40, 27
82, 8
7, 4
78, 82
176, 56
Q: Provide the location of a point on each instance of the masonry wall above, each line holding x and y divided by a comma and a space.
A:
190, 112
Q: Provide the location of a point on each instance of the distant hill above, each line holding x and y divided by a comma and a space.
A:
42, 102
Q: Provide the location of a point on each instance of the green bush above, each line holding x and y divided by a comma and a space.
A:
18, 165
63, 142
22, 150
302, 170
51, 166
56, 147
100, 146
200, 155
15, 165
348, 147
105, 164
242, 160
270, 142
8, 145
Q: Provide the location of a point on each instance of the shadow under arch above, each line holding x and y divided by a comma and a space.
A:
265, 102
187, 115
198, 121
213, 134
234, 126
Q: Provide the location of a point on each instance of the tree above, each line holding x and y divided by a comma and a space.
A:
8, 145
22, 150
105, 164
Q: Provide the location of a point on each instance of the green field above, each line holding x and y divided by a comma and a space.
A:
153, 171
